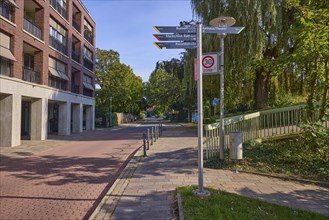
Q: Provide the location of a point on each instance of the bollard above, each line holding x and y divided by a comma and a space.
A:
152, 137
235, 145
148, 139
155, 134
144, 144
158, 131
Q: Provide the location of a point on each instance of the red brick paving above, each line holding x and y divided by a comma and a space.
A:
66, 182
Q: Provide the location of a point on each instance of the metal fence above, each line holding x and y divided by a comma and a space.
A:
259, 125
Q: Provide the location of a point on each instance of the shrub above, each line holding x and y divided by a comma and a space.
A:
142, 115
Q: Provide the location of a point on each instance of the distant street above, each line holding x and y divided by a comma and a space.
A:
68, 181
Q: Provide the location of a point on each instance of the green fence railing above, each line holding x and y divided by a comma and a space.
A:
256, 125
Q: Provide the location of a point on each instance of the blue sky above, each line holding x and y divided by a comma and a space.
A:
127, 27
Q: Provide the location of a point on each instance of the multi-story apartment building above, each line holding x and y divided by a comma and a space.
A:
47, 63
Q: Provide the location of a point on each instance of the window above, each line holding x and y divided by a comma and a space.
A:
5, 9
88, 87
87, 53
5, 54
4, 67
57, 36
88, 32
28, 61
60, 6
57, 74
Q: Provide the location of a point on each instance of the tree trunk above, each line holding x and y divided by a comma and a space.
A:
261, 88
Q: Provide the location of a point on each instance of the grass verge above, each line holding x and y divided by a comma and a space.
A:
223, 205
286, 157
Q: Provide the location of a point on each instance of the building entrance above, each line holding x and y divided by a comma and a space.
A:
53, 118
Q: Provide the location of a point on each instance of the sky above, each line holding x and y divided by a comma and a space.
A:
126, 26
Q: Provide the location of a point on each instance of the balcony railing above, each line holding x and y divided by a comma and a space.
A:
88, 36
75, 24
88, 64
75, 56
59, 8
32, 28
30, 75
87, 92
75, 88
57, 45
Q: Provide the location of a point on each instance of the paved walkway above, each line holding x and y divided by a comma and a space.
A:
63, 179
148, 193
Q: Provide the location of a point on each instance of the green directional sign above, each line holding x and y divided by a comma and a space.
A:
175, 37
192, 29
175, 45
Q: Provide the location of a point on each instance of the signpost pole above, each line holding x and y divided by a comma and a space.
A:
222, 131
200, 191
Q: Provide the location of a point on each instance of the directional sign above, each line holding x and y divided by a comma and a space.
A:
214, 102
210, 64
175, 45
175, 37
175, 29
222, 30
192, 29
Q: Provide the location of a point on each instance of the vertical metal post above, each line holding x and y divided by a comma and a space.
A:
155, 134
152, 136
201, 190
148, 139
144, 144
222, 131
111, 111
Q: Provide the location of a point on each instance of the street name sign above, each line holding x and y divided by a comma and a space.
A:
175, 37
192, 29
175, 45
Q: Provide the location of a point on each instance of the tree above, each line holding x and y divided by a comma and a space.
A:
118, 81
164, 90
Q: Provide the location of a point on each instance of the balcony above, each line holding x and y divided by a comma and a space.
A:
59, 8
88, 36
32, 28
57, 45
75, 56
88, 64
75, 88
75, 25
87, 92
30, 75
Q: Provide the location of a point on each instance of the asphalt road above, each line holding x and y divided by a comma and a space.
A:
68, 181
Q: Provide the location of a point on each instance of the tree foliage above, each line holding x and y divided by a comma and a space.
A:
281, 56
118, 81
164, 91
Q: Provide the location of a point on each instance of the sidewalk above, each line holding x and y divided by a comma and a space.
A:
145, 189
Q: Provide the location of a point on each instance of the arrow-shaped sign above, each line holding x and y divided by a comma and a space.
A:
222, 30
175, 29
175, 45
175, 37
192, 29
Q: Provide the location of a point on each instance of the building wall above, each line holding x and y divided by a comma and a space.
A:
13, 89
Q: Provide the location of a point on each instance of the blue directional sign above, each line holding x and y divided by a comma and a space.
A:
175, 37
214, 102
175, 45
192, 29
175, 29
222, 30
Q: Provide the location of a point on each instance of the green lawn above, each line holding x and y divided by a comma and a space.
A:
223, 205
287, 157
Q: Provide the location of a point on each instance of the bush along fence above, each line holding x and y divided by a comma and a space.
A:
257, 125
151, 136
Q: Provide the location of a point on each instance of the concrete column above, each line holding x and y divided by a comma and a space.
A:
39, 119
77, 118
64, 118
10, 120
90, 117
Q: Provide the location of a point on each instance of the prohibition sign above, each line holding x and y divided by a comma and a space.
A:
208, 62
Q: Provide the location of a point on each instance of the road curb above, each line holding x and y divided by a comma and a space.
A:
180, 207
107, 206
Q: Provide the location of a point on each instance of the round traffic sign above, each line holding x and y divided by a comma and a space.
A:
208, 61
